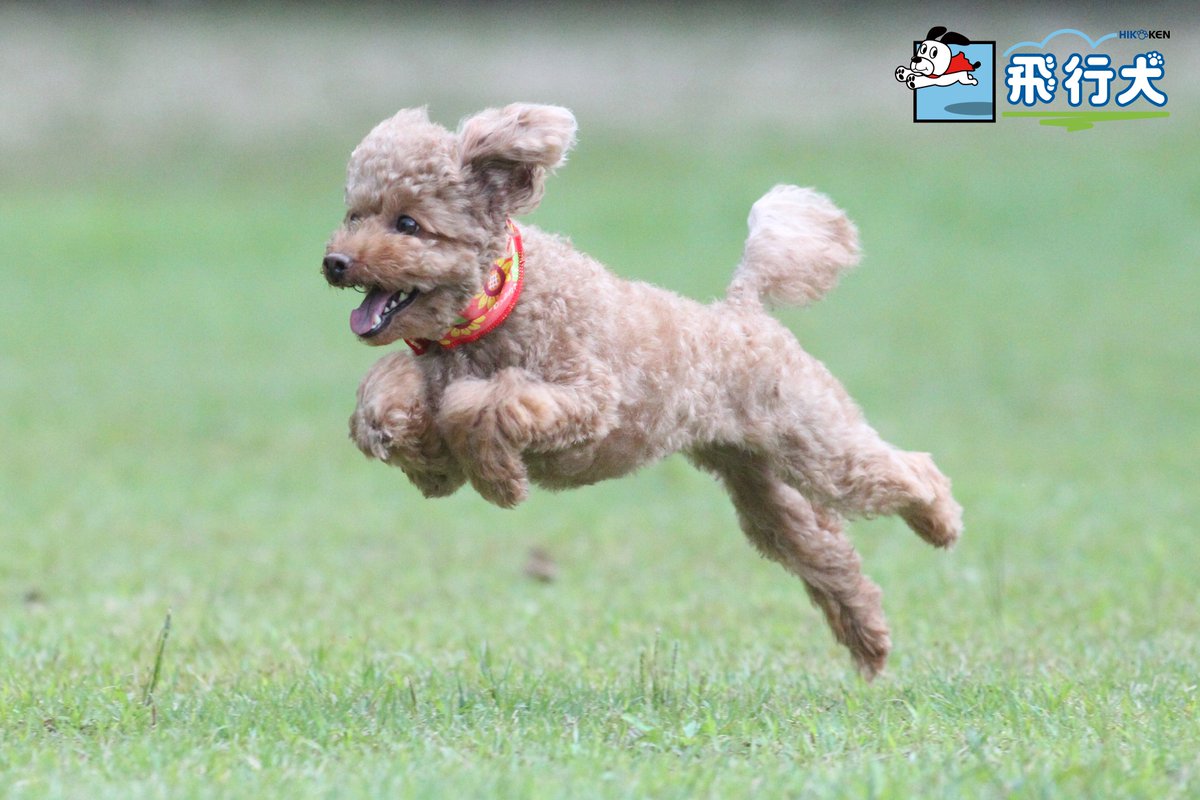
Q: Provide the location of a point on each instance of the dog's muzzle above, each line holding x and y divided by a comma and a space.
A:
336, 265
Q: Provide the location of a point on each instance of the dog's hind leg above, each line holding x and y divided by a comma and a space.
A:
845, 465
809, 542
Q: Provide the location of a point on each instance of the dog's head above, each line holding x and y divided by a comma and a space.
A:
426, 212
933, 55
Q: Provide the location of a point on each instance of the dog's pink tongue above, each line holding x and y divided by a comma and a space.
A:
364, 318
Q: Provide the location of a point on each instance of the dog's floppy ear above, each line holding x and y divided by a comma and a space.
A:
508, 150
934, 32
955, 38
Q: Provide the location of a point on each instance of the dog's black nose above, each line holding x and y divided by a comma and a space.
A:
336, 265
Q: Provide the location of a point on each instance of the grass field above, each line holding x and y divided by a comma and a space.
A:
175, 381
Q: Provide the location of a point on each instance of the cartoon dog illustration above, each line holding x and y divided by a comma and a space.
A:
934, 65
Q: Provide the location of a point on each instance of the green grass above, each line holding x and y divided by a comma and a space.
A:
175, 381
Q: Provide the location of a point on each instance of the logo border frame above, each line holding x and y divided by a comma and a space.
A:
995, 115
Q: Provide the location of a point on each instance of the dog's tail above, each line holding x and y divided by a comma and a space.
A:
799, 243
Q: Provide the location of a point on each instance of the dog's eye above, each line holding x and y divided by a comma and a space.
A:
933, 52
407, 225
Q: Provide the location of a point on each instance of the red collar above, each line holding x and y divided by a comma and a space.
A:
488, 309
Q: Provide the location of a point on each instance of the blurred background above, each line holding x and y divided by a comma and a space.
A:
175, 377
139, 79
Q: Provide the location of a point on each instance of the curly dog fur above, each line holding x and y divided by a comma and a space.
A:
592, 376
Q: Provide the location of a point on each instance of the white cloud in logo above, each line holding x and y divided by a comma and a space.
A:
1093, 43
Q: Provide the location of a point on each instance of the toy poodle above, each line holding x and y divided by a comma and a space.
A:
527, 361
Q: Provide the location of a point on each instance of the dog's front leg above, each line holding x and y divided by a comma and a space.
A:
490, 423
916, 81
392, 422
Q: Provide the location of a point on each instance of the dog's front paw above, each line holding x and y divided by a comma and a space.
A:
392, 423
435, 484
371, 438
387, 436
407, 441
902, 73
503, 482
391, 420
911, 81
487, 426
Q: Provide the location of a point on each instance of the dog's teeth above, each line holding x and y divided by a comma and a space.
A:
394, 303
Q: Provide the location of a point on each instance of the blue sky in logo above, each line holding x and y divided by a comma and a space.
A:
961, 102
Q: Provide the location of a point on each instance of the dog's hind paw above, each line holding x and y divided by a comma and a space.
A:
937, 518
939, 523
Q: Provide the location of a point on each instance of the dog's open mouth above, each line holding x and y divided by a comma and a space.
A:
378, 310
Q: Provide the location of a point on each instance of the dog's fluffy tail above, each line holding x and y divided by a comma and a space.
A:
799, 243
